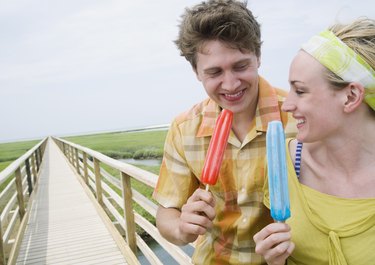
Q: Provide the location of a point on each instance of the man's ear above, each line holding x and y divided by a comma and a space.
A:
355, 93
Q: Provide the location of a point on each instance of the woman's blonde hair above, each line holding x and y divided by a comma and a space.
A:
360, 37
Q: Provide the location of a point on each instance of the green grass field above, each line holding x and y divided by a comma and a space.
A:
11, 151
137, 145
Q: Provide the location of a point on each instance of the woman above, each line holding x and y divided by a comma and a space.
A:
332, 189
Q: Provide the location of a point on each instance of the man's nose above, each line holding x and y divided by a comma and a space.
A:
230, 81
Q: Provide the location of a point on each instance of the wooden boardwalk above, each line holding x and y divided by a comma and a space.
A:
64, 225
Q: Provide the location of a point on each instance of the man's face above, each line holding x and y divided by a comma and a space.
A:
229, 76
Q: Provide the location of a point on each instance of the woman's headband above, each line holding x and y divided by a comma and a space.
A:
334, 54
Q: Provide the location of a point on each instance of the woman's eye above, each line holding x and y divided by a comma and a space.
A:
299, 92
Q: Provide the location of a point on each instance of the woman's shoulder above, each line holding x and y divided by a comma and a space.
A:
292, 146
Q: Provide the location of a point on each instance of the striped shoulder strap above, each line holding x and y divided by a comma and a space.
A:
297, 163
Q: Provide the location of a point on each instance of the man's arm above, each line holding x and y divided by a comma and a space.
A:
194, 219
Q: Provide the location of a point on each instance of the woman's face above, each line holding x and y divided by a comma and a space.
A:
314, 104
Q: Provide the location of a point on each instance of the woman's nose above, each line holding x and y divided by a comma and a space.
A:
288, 105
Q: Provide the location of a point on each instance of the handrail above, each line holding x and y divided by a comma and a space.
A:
22, 176
116, 197
16, 163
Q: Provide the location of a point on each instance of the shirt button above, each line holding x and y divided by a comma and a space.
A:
244, 220
243, 190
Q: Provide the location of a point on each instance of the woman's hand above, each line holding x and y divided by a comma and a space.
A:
273, 243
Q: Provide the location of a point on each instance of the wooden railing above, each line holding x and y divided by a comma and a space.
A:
116, 197
18, 181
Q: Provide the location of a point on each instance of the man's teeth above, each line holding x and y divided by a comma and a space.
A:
234, 95
300, 121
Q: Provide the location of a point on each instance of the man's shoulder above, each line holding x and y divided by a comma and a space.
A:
281, 93
270, 91
195, 112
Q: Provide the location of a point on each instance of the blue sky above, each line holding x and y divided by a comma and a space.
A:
71, 67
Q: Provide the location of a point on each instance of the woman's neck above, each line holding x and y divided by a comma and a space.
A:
342, 165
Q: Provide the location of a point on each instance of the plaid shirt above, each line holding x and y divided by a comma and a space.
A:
238, 193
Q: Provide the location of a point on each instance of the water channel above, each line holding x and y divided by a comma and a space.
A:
145, 162
164, 257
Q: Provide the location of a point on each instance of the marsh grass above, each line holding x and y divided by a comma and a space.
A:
11, 151
137, 145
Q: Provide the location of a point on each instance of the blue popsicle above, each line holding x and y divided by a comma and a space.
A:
277, 172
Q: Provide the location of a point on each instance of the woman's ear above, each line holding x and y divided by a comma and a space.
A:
355, 93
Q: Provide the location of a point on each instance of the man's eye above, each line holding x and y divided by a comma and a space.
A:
215, 73
241, 67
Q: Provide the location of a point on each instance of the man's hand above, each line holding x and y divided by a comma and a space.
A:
194, 219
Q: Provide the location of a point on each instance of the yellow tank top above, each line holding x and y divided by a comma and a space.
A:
328, 229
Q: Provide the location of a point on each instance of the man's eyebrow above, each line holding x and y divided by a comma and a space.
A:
216, 68
245, 60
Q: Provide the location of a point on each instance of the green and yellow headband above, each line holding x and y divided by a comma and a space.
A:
334, 54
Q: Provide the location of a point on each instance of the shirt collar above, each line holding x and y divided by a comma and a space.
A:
267, 110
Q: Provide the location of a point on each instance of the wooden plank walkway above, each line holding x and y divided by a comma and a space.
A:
64, 225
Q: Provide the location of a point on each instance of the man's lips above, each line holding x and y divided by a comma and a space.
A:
234, 96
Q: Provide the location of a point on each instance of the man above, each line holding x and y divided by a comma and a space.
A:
221, 39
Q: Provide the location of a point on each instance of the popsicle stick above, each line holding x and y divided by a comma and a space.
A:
207, 187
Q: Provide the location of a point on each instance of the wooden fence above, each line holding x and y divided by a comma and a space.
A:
17, 181
117, 197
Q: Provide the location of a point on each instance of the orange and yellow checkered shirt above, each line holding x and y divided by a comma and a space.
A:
240, 212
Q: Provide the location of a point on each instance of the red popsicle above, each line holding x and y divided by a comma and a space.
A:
216, 148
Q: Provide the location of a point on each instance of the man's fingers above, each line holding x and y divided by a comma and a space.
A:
200, 202
202, 195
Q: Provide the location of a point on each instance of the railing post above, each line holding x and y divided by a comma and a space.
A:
37, 160
34, 168
85, 172
128, 211
77, 161
20, 199
63, 148
39, 150
28, 173
71, 154
98, 182
2, 252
